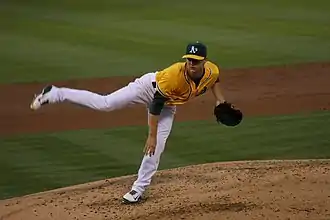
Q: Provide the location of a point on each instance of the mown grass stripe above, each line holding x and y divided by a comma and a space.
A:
16, 181
257, 138
47, 157
73, 40
124, 145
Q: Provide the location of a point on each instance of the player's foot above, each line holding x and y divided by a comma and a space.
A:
42, 98
132, 197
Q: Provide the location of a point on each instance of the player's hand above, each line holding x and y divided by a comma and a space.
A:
150, 146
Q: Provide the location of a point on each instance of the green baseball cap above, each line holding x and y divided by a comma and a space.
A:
197, 51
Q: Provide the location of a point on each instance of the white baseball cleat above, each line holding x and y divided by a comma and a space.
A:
132, 197
41, 99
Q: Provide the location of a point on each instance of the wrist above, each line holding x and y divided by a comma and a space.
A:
152, 135
220, 101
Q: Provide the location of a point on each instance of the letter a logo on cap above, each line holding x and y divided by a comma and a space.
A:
193, 49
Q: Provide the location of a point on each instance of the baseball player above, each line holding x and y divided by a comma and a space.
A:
160, 92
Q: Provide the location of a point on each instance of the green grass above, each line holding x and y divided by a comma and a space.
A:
33, 163
54, 40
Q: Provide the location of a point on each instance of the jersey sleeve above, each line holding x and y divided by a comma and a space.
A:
216, 70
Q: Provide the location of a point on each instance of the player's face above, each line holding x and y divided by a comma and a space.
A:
195, 67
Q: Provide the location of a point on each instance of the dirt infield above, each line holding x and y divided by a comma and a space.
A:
253, 190
263, 91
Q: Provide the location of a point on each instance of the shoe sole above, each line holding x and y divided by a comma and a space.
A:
35, 104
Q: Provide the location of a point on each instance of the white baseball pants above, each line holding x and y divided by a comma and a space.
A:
140, 91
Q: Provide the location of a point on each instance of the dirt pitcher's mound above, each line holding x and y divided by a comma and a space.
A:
235, 190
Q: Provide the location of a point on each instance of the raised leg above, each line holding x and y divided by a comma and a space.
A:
149, 165
136, 92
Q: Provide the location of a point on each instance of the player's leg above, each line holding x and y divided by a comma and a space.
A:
133, 93
149, 165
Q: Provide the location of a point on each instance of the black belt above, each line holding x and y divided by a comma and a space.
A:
154, 84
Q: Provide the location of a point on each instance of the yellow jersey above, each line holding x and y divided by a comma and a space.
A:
174, 84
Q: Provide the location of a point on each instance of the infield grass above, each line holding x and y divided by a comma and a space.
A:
54, 40
33, 163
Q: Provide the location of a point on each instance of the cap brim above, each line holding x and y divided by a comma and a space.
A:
193, 57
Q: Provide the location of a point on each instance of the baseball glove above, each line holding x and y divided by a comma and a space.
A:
227, 114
